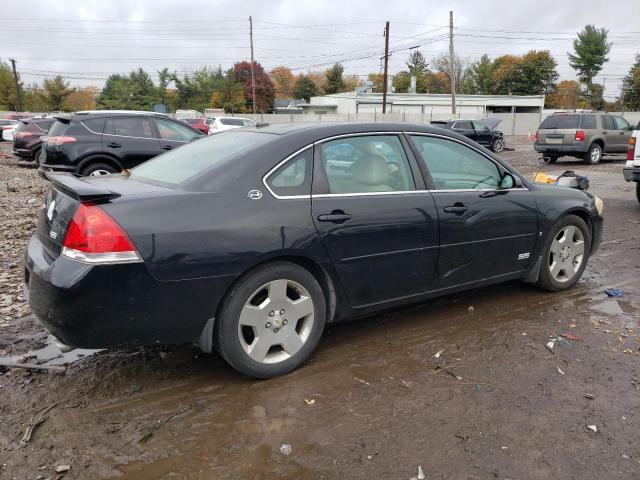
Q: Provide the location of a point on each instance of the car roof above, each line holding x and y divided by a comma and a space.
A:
324, 129
121, 112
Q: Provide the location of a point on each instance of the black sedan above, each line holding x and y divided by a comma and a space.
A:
250, 241
481, 131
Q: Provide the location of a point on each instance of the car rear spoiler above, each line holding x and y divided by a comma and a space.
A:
78, 188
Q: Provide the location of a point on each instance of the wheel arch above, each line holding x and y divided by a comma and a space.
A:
600, 141
98, 158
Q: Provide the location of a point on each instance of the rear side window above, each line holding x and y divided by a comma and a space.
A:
463, 124
191, 160
607, 122
294, 177
589, 122
232, 121
139, 127
367, 164
58, 128
560, 121
95, 124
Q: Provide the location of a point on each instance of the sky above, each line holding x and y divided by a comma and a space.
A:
87, 40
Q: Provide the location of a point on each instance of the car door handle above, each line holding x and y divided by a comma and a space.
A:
604, 131
621, 133
167, 147
336, 216
113, 145
457, 208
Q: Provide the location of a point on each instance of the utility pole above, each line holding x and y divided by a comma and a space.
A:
386, 68
15, 82
452, 73
253, 79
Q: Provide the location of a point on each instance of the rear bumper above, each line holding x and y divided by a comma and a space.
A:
23, 152
100, 306
45, 167
579, 147
631, 174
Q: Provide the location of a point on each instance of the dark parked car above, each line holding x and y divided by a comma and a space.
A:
582, 135
251, 240
27, 139
201, 124
106, 141
480, 131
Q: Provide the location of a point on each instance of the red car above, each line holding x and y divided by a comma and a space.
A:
199, 124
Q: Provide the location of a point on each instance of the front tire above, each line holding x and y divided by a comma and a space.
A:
497, 145
271, 320
565, 254
593, 155
638, 191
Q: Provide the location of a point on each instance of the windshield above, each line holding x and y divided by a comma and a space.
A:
185, 163
560, 121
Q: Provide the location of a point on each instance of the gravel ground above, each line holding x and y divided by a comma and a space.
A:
374, 401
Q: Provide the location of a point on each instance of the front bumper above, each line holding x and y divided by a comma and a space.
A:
631, 174
596, 231
100, 306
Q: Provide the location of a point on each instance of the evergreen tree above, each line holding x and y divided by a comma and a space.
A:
590, 53
304, 88
334, 81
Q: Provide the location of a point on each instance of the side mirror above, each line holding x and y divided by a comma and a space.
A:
508, 181
486, 129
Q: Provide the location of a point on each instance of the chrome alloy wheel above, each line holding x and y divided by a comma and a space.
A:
596, 153
99, 173
566, 254
276, 321
498, 145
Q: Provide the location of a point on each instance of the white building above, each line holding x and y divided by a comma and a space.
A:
424, 104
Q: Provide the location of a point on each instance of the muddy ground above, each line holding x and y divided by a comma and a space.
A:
373, 402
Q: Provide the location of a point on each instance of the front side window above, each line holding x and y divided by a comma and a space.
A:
621, 123
294, 177
367, 164
174, 131
479, 126
454, 166
129, 127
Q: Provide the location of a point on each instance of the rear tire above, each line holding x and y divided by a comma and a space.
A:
565, 255
271, 320
36, 156
593, 155
98, 169
638, 191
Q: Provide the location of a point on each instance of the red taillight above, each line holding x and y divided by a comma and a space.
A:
23, 134
94, 237
60, 140
579, 136
631, 149
535, 137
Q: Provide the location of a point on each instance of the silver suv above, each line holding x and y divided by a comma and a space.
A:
582, 135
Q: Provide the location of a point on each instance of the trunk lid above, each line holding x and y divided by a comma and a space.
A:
68, 191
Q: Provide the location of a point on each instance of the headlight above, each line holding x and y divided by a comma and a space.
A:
599, 204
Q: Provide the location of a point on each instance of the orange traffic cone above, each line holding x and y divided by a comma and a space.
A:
529, 137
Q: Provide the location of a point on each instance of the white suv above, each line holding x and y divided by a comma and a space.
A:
220, 124
632, 167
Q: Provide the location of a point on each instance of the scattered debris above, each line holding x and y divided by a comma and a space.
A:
285, 449
421, 475
560, 371
614, 292
31, 366
36, 420
149, 433
625, 456
593, 428
361, 381
550, 344
62, 468
309, 401
438, 353
134, 389
471, 309
571, 336
589, 396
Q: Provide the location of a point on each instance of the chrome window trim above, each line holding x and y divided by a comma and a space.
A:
270, 172
129, 136
477, 150
96, 133
361, 134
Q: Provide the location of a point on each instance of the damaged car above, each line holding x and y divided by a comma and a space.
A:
481, 131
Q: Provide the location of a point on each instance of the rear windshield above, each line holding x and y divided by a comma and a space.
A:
58, 128
232, 121
185, 163
560, 121
192, 121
